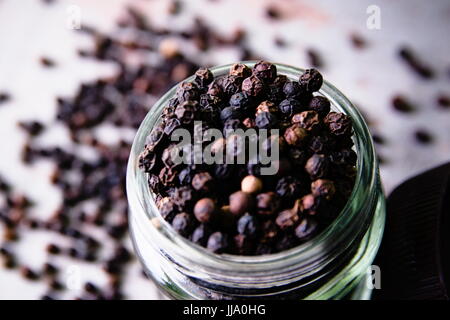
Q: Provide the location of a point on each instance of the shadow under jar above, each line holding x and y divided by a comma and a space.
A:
333, 265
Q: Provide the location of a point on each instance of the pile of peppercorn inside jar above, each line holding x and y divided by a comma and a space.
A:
307, 230
231, 206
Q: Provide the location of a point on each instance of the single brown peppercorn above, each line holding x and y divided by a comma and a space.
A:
295, 136
251, 184
240, 203
240, 70
323, 188
266, 106
204, 209
308, 120
287, 219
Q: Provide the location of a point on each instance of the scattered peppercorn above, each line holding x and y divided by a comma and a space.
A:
407, 55
401, 104
423, 136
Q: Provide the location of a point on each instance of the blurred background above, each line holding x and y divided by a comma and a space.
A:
77, 77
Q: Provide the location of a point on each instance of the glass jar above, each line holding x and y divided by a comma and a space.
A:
330, 266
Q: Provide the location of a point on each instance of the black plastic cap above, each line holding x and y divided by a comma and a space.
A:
414, 257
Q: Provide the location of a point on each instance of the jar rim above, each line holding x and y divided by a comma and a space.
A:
187, 252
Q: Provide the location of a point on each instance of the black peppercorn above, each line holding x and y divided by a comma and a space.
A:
230, 113
320, 104
253, 86
265, 71
317, 166
289, 107
203, 77
267, 203
184, 198
311, 80
171, 126
248, 225
293, 90
287, 219
203, 181
201, 235
288, 187
241, 100
183, 223
167, 208
218, 242
231, 84
306, 229
266, 120
208, 100
338, 124
215, 88
187, 91
185, 112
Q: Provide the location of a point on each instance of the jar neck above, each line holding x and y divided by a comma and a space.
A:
303, 265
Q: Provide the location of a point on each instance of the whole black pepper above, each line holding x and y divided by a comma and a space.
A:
187, 91
288, 187
231, 84
311, 80
203, 77
203, 181
338, 124
248, 225
306, 228
265, 71
293, 90
201, 235
289, 107
230, 113
317, 166
267, 203
185, 112
215, 89
320, 104
242, 101
253, 86
287, 219
266, 120
183, 223
218, 242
